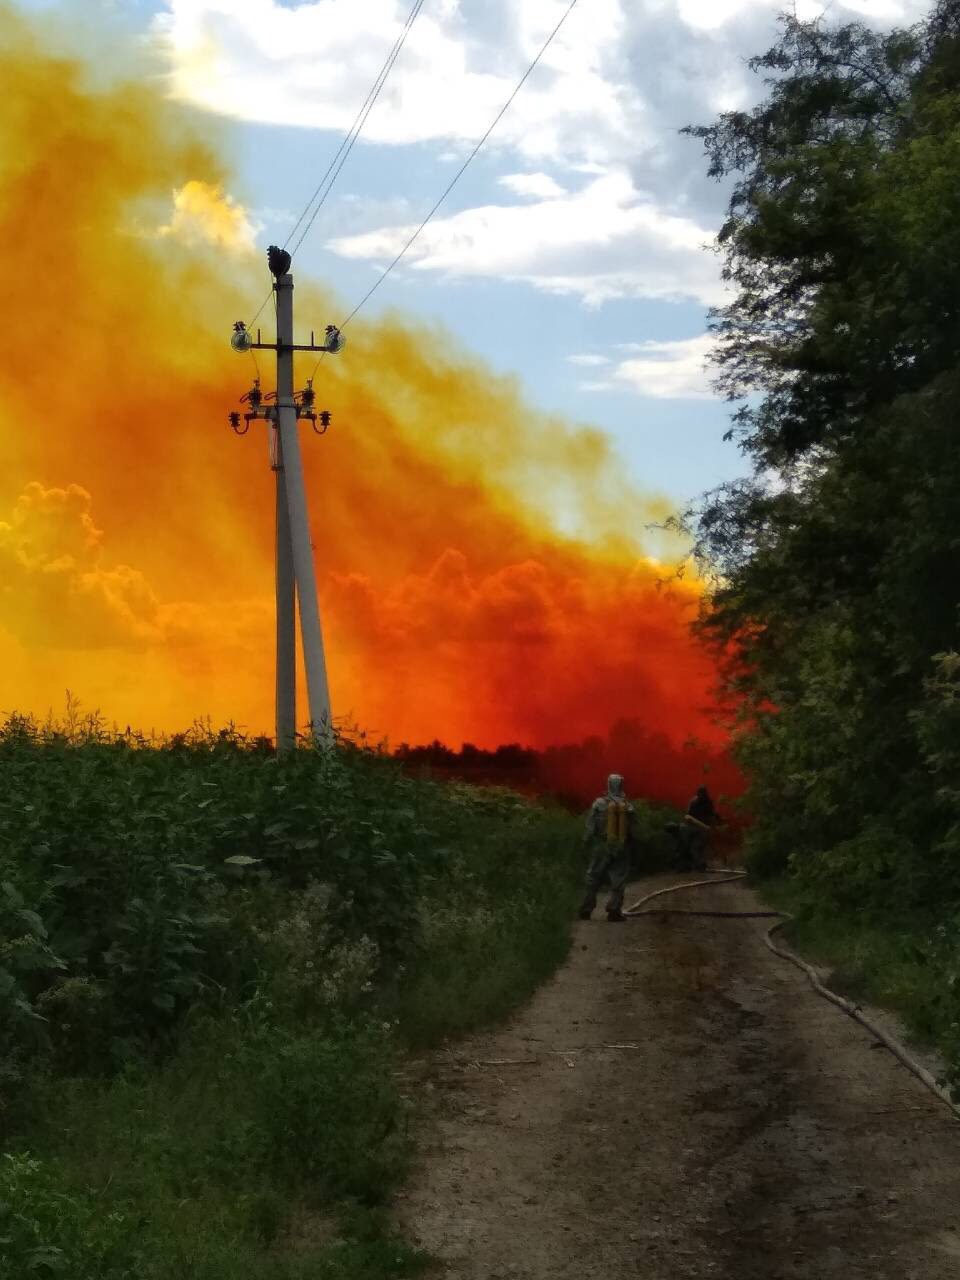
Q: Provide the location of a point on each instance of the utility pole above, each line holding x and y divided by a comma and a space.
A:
295, 572
286, 665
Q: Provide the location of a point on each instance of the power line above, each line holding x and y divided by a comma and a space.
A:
361, 118
503, 111
347, 144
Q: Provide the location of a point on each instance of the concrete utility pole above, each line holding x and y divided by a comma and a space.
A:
286, 666
295, 573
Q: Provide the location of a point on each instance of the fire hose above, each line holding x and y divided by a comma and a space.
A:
780, 919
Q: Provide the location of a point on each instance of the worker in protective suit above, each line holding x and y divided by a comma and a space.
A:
611, 829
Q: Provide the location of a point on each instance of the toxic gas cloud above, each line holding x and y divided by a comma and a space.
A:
484, 569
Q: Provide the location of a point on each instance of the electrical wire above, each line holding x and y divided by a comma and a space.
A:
460, 172
333, 169
348, 143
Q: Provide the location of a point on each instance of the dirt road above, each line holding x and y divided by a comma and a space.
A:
677, 1103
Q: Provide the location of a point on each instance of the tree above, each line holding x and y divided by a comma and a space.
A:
839, 239
835, 580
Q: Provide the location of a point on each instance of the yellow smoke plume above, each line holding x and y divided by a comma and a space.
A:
136, 532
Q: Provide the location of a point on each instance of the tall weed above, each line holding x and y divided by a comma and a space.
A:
208, 961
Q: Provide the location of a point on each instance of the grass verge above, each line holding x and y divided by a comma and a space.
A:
902, 963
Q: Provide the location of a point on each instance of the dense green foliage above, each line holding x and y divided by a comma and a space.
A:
209, 961
836, 585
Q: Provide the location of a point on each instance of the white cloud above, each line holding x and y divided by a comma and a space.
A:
669, 370
589, 361
611, 94
313, 63
605, 241
709, 15
597, 95
662, 370
538, 185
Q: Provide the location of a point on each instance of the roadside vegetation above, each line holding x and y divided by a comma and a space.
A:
901, 961
835, 567
211, 962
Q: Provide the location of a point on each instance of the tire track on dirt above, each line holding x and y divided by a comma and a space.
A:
678, 1103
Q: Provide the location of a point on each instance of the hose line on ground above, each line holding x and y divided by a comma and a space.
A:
851, 1010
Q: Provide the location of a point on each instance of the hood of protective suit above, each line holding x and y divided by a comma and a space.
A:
615, 786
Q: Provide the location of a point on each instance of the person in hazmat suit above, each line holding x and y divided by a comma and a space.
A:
610, 834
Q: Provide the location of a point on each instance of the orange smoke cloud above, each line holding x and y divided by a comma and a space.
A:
482, 566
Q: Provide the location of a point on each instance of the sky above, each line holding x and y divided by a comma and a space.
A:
575, 252
518, 409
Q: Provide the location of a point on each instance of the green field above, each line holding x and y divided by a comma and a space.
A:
211, 964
